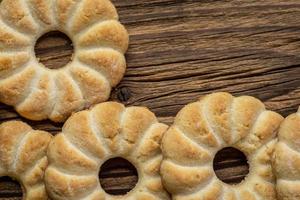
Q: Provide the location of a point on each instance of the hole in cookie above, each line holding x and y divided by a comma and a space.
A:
118, 176
54, 50
10, 188
231, 166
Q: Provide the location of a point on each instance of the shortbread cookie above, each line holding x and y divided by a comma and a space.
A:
91, 137
287, 158
98, 63
23, 157
203, 128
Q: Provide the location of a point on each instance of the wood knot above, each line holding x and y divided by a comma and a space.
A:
123, 94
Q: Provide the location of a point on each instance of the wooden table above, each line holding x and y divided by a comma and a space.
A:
183, 49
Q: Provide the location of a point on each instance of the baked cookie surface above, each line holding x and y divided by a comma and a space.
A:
97, 65
91, 137
23, 157
203, 128
287, 158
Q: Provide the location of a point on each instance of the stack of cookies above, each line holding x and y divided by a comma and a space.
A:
173, 162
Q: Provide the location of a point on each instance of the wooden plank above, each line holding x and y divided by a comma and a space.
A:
183, 49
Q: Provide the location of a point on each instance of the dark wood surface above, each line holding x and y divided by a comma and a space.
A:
183, 49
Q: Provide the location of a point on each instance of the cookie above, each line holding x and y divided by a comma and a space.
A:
89, 138
98, 63
287, 158
23, 157
203, 128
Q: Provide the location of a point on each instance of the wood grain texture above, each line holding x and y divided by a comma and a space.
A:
183, 49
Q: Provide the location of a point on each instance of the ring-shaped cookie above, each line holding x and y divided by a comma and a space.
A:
203, 128
287, 158
98, 63
23, 157
91, 137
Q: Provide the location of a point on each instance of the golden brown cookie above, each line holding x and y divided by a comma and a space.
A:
91, 137
287, 158
203, 128
98, 63
23, 157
